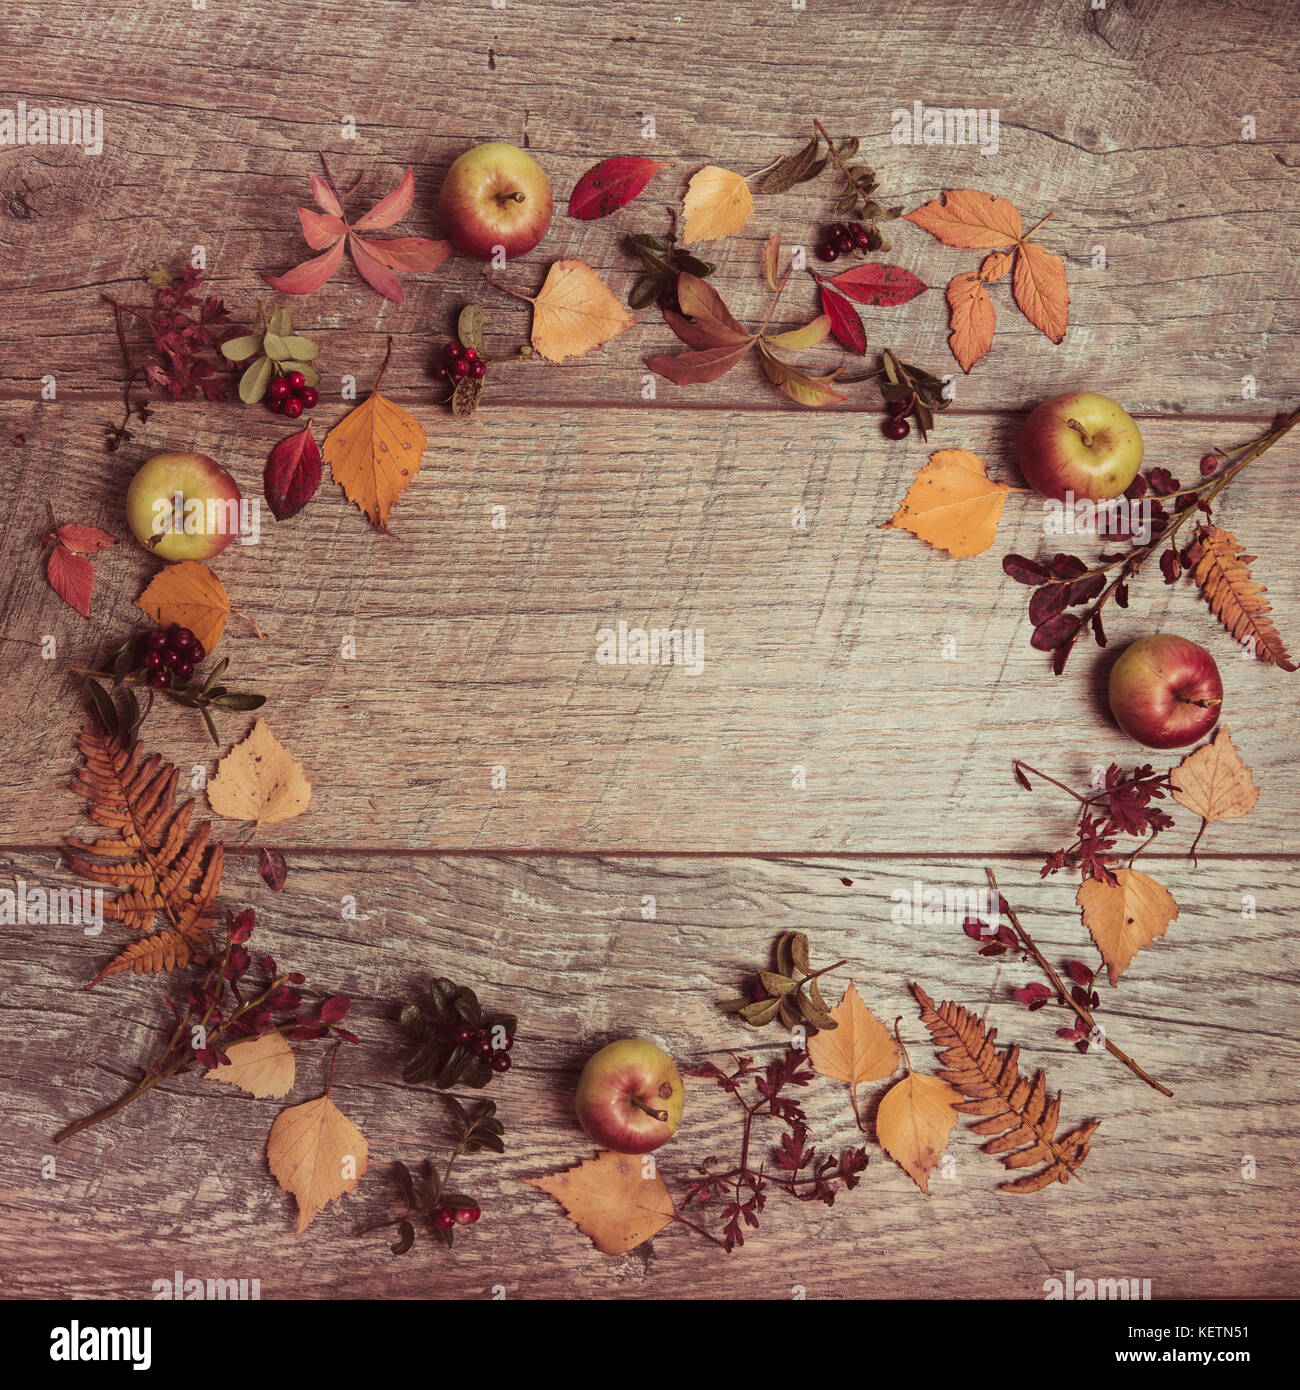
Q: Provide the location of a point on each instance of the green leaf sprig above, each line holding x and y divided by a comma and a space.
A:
271, 349
433, 1024
662, 261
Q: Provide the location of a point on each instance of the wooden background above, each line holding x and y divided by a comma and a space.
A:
900, 680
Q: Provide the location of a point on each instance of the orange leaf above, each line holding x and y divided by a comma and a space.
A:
1040, 290
914, 1121
315, 1152
1222, 575
1125, 916
859, 1049
263, 1066
717, 205
965, 217
996, 265
701, 302
772, 259
574, 312
972, 319
1214, 782
374, 453
72, 577
190, 595
616, 1199
952, 504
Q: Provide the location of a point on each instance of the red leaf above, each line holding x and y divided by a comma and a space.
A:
845, 323
320, 229
410, 252
325, 196
389, 209
85, 540
271, 865
310, 275
1023, 570
374, 272
688, 368
334, 1009
610, 185
72, 578
882, 285
293, 473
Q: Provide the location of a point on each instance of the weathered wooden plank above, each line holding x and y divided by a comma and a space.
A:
178, 1181
825, 648
1112, 136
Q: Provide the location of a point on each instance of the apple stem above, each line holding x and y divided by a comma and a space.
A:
649, 1110
515, 197
1083, 433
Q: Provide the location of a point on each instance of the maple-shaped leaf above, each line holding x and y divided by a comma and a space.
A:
965, 217
1040, 289
292, 474
1221, 571
615, 1199
717, 204
881, 285
1125, 916
259, 780
327, 231
610, 185
859, 1049
263, 1066
1214, 783
190, 595
972, 319
573, 312
317, 1154
952, 504
72, 577
913, 1123
374, 453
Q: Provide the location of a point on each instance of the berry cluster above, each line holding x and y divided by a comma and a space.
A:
290, 395
169, 655
842, 238
459, 362
479, 1042
444, 1218
896, 425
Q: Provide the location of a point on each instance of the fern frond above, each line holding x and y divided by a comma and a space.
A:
161, 867
1018, 1116
1222, 574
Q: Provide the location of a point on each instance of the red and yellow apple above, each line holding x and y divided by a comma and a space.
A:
495, 195
183, 507
1166, 691
1081, 443
630, 1097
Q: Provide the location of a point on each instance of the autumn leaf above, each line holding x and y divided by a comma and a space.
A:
1125, 916
995, 265
691, 368
573, 312
859, 1049
84, 540
952, 504
844, 320
259, 780
1214, 783
972, 319
772, 260
1040, 290
913, 1123
190, 595
610, 185
263, 1066
717, 204
1221, 572
703, 304
292, 475
72, 577
374, 453
801, 387
965, 217
881, 285
611, 1199
797, 339
317, 1154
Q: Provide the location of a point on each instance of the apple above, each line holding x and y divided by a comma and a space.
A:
630, 1097
1166, 691
183, 507
495, 195
1081, 443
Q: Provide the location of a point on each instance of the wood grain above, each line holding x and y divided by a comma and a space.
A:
565, 942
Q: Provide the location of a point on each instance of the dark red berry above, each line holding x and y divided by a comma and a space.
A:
440, 371
183, 671
460, 369
452, 351
508, 1044
828, 251
757, 993
292, 407
470, 355
478, 371
896, 428
308, 396
903, 407
500, 1061
277, 405
197, 652
153, 661
482, 1048
844, 242
278, 390
296, 381
444, 1218
182, 639
463, 1036
861, 238
467, 1216
1208, 464
158, 679
157, 639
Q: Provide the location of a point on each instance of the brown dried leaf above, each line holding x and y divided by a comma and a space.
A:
859, 1049
263, 1066
316, 1153
952, 504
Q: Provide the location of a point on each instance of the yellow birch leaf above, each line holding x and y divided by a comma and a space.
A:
316, 1153
259, 780
263, 1066
374, 453
575, 311
717, 205
190, 595
859, 1049
1125, 916
952, 504
610, 1199
913, 1124
1214, 782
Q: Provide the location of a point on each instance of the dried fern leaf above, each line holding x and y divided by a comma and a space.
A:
151, 855
1222, 574
1018, 1116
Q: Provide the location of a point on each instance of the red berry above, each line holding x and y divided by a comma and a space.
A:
467, 1216
157, 639
444, 1218
1208, 464
500, 1061
757, 993
292, 407
153, 661
277, 405
470, 355
828, 251
452, 351
463, 1036
460, 369
197, 652
308, 396
482, 1048
896, 428
296, 381
182, 671
844, 242
158, 679
278, 389
478, 371
182, 639
508, 1044
861, 238
903, 407
440, 371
